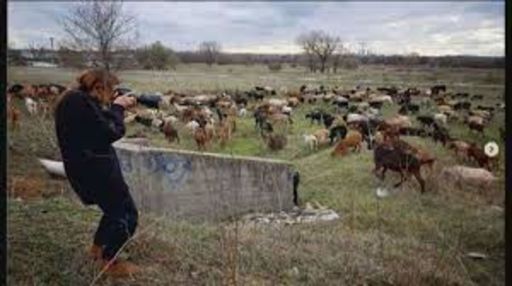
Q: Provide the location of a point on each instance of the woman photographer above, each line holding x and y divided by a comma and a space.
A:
88, 120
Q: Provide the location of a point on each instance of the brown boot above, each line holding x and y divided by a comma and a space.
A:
96, 252
120, 268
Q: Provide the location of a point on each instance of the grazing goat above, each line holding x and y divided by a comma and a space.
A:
425, 120
399, 121
242, 112
192, 126
441, 118
462, 105
14, 115
409, 107
201, 137
224, 132
463, 175
353, 139
322, 136
169, 131
275, 141
31, 105
328, 120
287, 110
411, 131
336, 133
317, 116
352, 117
460, 147
476, 126
476, 153
437, 88
310, 141
148, 122
440, 134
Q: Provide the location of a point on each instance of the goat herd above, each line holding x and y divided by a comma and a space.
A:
355, 118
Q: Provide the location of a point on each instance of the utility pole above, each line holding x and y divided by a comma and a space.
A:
51, 43
362, 48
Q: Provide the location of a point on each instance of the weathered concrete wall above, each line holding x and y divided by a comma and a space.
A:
204, 186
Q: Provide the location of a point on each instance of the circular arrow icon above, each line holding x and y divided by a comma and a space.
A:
491, 149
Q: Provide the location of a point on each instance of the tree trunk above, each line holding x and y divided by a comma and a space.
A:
105, 58
322, 65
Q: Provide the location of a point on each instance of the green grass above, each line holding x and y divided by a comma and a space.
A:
406, 239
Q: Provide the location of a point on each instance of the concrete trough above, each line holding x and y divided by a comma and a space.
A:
204, 186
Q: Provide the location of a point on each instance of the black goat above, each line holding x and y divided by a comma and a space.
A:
337, 133
425, 120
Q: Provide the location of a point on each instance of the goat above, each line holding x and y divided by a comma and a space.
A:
425, 120
441, 118
476, 153
398, 159
201, 137
31, 105
311, 141
352, 139
322, 136
336, 133
192, 126
224, 131
169, 131
468, 175
460, 147
275, 141
14, 115
476, 126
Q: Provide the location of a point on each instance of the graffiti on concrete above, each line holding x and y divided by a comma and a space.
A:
125, 162
175, 169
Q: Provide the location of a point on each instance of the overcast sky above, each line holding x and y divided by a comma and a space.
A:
429, 28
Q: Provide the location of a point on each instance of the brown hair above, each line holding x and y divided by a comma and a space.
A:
98, 83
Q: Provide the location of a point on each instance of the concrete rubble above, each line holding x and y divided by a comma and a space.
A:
308, 214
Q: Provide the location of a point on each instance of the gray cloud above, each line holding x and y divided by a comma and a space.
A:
431, 28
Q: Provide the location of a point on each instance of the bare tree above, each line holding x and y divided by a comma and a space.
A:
99, 27
210, 50
307, 43
320, 44
337, 56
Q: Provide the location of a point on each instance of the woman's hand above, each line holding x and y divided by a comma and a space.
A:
125, 101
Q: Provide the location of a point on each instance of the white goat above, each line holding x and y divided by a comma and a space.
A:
311, 141
31, 105
441, 118
242, 112
192, 125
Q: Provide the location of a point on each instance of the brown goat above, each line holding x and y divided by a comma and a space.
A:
201, 137
399, 156
476, 126
224, 132
170, 132
353, 139
275, 141
14, 115
476, 153
424, 157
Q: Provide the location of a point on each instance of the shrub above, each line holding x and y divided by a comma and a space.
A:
349, 63
275, 67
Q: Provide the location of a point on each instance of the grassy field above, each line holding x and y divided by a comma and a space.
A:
405, 239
